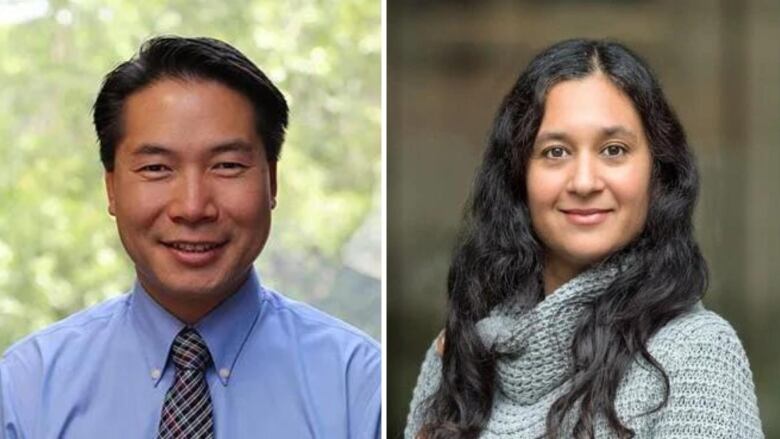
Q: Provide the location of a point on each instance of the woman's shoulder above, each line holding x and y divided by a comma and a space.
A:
698, 328
709, 378
430, 371
700, 339
427, 383
432, 360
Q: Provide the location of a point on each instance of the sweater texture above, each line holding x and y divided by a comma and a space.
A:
711, 387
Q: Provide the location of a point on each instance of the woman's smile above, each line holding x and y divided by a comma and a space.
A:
586, 217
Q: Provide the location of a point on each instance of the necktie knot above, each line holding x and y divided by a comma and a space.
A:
190, 351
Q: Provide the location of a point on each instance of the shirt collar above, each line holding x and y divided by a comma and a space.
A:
227, 327
224, 330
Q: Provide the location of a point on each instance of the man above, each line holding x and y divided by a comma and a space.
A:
190, 132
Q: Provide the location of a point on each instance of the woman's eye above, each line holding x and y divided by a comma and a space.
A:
556, 152
614, 150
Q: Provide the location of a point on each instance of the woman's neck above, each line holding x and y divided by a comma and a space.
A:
557, 272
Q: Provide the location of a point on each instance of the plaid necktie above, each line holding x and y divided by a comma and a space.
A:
186, 412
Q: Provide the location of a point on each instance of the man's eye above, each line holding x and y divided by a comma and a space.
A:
229, 168
614, 150
230, 165
154, 168
555, 152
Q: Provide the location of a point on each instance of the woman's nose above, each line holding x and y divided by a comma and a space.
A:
586, 176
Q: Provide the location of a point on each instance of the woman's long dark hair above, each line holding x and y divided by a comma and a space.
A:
499, 259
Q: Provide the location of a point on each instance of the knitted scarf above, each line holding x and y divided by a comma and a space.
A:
534, 346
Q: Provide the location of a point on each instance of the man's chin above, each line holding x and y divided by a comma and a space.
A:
185, 287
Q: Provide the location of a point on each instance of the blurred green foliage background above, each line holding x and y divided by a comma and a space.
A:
59, 251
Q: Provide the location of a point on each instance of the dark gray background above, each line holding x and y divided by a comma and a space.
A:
451, 62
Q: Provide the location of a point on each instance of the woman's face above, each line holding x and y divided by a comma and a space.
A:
589, 174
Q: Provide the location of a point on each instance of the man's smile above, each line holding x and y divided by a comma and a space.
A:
195, 254
194, 246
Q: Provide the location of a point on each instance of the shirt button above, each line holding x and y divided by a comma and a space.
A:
224, 372
155, 373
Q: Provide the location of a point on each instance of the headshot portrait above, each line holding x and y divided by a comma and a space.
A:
219, 191
471, 219
572, 254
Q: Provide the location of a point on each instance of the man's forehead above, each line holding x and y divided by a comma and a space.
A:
189, 116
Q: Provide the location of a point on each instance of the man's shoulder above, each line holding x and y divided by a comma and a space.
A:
78, 327
313, 322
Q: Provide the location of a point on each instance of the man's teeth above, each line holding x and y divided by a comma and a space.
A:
193, 247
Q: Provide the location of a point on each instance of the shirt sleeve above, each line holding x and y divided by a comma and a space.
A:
711, 390
365, 392
2, 403
20, 389
427, 383
11, 425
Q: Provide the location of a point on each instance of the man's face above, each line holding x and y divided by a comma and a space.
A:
191, 191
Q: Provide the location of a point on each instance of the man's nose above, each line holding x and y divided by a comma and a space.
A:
586, 176
193, 200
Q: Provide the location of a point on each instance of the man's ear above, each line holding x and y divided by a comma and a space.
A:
108, 177
272, 182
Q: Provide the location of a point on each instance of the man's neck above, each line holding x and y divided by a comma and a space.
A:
189, 307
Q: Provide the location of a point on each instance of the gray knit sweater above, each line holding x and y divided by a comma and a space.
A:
711, 393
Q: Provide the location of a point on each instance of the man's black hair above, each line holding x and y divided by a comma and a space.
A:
188, 58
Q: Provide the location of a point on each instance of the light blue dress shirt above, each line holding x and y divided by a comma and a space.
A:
281, 369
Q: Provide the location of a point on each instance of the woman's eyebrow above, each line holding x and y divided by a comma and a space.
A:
546, 136
610, 131
619, 130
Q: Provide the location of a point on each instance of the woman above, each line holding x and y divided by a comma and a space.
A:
574, 290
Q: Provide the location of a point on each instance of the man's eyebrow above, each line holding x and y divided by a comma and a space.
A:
152, 149
240, 146
232, 146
